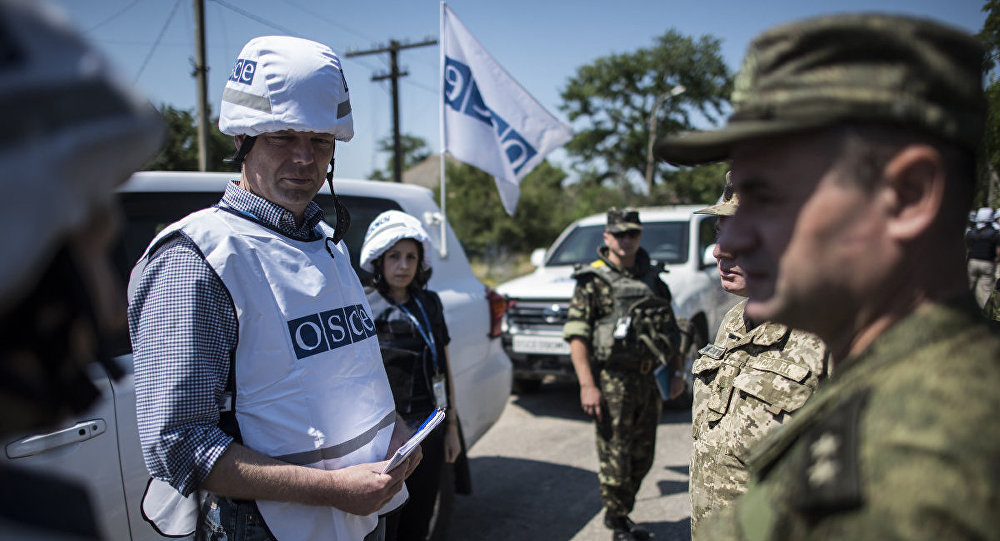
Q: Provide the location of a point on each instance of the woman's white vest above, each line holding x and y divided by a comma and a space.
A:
310, 385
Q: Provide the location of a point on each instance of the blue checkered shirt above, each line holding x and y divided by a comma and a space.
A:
184, 329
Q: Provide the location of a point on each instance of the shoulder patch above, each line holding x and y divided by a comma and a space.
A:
830, 477
713, 351
598, 264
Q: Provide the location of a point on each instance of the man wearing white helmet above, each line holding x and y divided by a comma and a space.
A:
72, 134
983, 244
258, 374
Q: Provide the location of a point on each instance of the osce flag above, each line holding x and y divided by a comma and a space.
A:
487, 119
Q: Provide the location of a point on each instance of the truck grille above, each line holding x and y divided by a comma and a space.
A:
537, 314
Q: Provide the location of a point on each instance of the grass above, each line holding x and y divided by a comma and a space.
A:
495, 270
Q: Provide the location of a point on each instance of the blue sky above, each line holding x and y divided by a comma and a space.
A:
540, 43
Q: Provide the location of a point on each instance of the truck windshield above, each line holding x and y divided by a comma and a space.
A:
666, 242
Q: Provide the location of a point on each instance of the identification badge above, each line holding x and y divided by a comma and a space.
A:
621, 328
440, 392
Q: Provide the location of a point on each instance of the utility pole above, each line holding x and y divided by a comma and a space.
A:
201, 76
394, 75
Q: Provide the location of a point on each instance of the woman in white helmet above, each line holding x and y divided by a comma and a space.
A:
413, 336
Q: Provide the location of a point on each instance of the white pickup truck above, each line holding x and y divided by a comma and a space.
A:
538, 302
100, 449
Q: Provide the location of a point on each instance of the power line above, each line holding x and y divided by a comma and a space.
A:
421, 86
156, 43
111, 18
325, 19
253, 17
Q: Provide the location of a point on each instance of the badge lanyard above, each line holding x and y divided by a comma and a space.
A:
427, 336
438, 385
254, 218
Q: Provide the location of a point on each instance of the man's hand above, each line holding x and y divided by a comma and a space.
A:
245, 474
590, 395
590, 399
362, 490
676, 386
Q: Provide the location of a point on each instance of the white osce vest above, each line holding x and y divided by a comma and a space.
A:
310, 386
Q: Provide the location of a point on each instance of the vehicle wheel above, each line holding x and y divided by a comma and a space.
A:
525, 385
437, 530
690, 355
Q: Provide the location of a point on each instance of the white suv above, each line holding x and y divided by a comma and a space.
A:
100, 449
538, 302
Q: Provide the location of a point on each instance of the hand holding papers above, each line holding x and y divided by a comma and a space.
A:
404, 451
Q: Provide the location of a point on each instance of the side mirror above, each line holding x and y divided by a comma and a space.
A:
708, 259
537, 257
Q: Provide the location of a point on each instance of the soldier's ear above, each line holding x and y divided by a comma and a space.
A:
914, 190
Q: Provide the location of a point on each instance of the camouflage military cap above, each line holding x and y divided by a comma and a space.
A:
621, 220
727, 203
900, 71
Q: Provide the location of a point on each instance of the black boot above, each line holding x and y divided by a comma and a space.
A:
626, 530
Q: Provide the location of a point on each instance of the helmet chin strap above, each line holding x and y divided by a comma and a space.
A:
241, 153
343, 216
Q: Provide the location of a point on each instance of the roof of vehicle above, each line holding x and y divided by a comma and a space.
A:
649, 214
196, 181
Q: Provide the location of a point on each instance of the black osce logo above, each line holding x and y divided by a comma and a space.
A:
330, 330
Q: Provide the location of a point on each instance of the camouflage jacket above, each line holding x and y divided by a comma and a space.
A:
592, 298
903, 442
992, 308
747, 383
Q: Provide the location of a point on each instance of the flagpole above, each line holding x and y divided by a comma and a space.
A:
444, 209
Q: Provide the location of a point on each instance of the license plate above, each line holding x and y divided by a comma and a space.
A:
548, 345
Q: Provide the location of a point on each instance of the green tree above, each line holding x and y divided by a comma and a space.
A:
180, 151
414, 151
617, 95
477, 215
544, 209
690, 185
989, 188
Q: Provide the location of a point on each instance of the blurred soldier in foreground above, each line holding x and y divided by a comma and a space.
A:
73, 134
747, 383
620, 327
853, 143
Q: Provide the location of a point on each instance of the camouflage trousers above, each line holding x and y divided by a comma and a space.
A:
626, 437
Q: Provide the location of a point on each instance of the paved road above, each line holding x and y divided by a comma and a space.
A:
534, 476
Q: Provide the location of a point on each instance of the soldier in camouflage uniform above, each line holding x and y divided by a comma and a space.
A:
853, 142
992, 308
747, 383
620, 327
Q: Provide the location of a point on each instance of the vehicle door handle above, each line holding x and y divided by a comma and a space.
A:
33, 445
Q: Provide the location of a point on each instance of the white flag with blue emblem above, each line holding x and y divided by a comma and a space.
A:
487, 119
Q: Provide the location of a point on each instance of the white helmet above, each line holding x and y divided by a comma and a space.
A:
72, 133
984, 215
285, 83
386, 230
